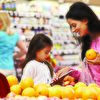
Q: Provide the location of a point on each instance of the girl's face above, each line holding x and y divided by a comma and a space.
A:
79, 27
43, 54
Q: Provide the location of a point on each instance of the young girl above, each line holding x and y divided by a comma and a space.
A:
35, 64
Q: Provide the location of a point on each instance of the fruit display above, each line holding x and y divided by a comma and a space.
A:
27, 90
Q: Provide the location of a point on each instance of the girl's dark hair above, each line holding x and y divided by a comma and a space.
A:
38, 42
80, 11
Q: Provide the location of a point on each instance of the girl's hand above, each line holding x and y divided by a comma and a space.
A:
95, 61
57, 79
62, 71
68, 80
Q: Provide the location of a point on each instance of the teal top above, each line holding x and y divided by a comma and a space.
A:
7, 46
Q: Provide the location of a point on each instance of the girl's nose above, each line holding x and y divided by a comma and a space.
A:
73, 29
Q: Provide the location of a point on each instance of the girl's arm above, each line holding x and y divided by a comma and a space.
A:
29, 71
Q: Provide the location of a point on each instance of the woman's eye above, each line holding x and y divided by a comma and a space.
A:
47, 52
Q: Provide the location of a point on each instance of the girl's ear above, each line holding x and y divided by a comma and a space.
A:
1, 24
85, 21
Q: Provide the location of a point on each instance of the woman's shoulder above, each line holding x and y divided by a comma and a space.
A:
96, 44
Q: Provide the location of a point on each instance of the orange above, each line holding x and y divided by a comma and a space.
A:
91, 54
68, 78
11, 94
40, 84
42, 90
70, 86
79, 99
98, 97
89, 93
57, 86
16, 89
40, 98
55, 91
66, 83
98, 90
38, 88
27, 82
12, 80
79, 84
79, 91
28, 92
18, 97
93, 85
67, 92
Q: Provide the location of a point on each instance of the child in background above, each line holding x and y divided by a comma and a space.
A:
35, 64
9, 39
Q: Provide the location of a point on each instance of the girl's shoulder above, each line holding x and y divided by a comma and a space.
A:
33, 63
30, 65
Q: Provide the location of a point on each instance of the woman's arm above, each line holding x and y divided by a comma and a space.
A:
95, 61
96, 46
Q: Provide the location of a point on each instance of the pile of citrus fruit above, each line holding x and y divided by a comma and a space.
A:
26, 90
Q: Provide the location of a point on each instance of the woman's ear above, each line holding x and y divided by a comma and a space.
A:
85, 21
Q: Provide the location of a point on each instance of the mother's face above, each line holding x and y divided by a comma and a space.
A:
78, 26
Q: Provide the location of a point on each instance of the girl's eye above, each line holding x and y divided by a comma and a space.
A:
73, 26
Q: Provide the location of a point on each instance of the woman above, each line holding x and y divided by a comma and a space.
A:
83, 20
8, 41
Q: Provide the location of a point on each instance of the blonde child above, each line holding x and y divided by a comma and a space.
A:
8, 41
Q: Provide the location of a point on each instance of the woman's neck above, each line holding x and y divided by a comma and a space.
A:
95, 36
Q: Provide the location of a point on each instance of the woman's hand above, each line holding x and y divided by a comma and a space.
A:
68, 80
95, 61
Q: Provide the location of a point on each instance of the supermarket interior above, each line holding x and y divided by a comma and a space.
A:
64, 74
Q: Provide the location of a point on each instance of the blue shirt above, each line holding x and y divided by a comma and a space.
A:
7, 45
